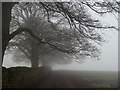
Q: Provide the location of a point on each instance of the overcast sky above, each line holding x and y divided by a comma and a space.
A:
109, 56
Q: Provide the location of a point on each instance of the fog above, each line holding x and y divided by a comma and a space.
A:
109, 55
109, 58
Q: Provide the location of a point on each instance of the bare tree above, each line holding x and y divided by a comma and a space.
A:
74, 13
44, 55
34, 52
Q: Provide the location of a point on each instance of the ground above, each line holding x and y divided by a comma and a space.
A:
47, 78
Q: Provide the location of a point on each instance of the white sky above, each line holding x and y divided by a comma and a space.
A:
109, 56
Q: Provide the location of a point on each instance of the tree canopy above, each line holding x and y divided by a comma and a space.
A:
73, 30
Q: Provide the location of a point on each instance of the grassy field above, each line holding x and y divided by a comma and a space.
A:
93, 79
23, 77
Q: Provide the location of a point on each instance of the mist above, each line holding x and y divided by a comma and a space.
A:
60, 44
108, 59
109, 51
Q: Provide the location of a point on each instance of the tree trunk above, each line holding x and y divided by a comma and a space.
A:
34, 63
4, 45
6, 17
34, 53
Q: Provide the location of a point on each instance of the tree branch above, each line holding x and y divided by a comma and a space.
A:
20, 30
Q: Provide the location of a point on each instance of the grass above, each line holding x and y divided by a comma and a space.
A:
94, 79
23, 77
